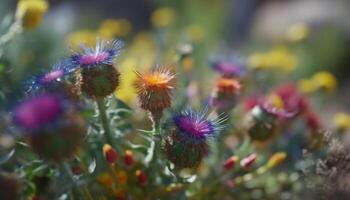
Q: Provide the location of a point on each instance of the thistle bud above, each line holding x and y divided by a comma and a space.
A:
230, 162
141, 177
97, 76
110, 154
186, 145
128, 158
248, 162
259, 124
155, 91
225, 95
184, 154
53, 125
276, 159
76, 170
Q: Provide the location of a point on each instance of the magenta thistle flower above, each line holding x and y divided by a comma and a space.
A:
103, 54
52, 125
38, 111
196, 127
49, 78
229, 68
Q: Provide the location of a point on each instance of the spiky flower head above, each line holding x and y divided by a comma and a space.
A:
225, 94
97, 76
155, 90
186, 145
51, 78
52, 125
229, 68
196, 127
101, 55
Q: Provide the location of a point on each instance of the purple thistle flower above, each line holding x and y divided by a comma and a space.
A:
196, 126
103, 54
229, 68
55, 75
39, 111
279, 112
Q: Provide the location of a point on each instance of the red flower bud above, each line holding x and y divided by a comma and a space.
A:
128, 158
230, 162
76, 170
248, 162
110, 154
141, 177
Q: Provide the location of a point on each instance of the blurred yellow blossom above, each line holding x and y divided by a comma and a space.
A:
31, 12
122, 177
325, 80
276, 101
111, 28
298, 32
163, 17
276, 159
86, 37
307, 86
105, 179
341, 122
125, 91
279, 58
195, 33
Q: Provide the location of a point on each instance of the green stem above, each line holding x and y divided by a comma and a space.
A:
104, 120
66, 169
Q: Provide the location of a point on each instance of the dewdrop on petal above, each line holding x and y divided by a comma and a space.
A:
96, 75
155, 91
110, 154
186, 145
31, 12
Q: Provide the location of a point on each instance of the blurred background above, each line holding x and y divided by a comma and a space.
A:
315, 34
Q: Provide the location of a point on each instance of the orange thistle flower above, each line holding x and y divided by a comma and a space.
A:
155, 90
228, 85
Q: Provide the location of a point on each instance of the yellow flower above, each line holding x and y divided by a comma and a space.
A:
276, 101
122, 177
342, 122
125, 92
325, 80
297, 32
257, 61
111, 28
31, 12
276, 159
86, 37
307, 86
105, 179
279, 58
195, 33
163, 17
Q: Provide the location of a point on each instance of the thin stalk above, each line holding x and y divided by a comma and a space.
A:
66, 169
104, 120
